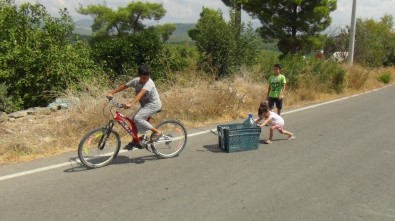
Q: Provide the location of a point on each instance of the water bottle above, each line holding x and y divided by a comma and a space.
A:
249, 120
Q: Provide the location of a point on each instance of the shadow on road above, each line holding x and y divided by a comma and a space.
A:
137, 160
214, 148
274, 140
118, 160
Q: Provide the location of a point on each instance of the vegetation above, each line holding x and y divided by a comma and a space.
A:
385, 77
296, 24
374, 42
36, 56
221, 51
124, 20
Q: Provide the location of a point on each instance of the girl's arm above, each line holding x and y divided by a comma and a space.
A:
266, 121
259, 119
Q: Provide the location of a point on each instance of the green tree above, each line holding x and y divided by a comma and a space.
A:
236, 5
121, 41
220, 51
296, 24
120, 54
124, 20
36, 56
374, 41
165, 30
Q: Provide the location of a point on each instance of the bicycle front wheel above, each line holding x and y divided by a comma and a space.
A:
173, 140
99, 147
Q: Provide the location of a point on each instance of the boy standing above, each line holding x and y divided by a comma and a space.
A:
275, 92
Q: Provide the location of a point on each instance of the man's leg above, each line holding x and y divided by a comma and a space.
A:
279, 105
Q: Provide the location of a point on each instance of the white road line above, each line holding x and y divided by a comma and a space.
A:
6, 177
15, 175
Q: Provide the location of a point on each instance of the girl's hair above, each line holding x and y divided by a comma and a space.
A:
263, 108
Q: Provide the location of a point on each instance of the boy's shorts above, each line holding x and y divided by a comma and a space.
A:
278, 102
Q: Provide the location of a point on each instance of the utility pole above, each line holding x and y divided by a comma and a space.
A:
352, 33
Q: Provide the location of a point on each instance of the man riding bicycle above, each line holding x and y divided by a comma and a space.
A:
148, 97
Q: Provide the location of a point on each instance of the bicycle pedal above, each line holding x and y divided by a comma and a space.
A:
139, 146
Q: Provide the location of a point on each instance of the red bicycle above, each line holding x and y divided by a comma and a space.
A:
101, 145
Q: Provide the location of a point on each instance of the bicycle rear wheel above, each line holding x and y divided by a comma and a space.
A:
99, 147
173, 140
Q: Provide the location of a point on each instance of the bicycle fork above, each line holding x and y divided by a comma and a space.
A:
106, 133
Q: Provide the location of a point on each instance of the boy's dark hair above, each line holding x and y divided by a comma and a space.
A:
277, 66
263, 108
143, 70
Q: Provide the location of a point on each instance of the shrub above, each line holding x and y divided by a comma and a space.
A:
356, 77
385, 78
221, 49
36, 54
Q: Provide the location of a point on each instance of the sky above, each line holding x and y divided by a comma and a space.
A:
187, 11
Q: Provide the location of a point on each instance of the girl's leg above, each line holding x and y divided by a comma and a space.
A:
290, 135
270, 136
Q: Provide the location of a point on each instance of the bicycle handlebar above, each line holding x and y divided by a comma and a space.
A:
114, 102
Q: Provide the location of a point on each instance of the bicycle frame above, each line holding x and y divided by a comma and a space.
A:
132, 131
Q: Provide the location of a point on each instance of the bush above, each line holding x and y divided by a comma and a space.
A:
36, 55
121, 54
385, 78
300, 71
7, 104
357, 77
221, 49
293, 67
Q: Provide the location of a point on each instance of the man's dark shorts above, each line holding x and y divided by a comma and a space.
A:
278, 102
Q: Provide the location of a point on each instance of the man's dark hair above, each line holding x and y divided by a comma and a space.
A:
277, 66
143, 70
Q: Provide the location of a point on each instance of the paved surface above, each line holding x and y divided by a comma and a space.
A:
340, 167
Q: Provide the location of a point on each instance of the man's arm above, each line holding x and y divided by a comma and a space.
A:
118, 89
283, 91
136, 99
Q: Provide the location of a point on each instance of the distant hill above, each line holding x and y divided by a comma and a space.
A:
179, 36
83, 27
181, 33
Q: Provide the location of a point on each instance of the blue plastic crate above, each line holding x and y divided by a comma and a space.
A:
238, 137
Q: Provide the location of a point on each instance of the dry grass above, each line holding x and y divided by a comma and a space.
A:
192, 97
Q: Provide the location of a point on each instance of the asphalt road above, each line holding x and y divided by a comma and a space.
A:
340, 167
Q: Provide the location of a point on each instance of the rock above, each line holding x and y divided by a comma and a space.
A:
29, 118
64, 103
54, 106
18, 114
39, 111
3, 117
